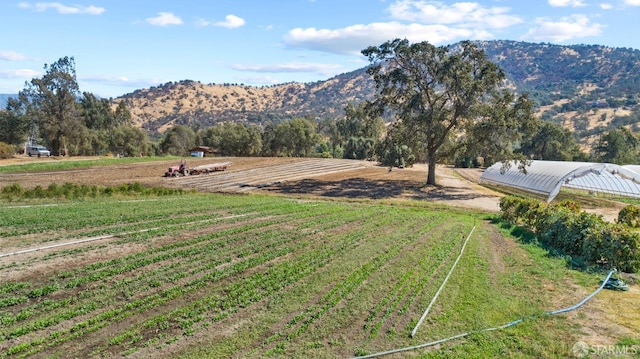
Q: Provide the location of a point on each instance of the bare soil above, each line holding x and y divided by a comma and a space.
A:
292, 176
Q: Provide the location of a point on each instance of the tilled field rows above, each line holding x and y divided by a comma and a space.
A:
247, 179
249, 275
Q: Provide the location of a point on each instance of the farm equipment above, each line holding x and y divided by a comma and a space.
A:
183, 170
212, 167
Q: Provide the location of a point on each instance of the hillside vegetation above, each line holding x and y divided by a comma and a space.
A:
587, 88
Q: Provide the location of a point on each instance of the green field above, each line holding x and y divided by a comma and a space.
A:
245, 276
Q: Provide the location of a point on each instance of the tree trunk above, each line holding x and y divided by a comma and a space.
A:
431, 173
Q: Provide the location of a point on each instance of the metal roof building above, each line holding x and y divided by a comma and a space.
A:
547, 177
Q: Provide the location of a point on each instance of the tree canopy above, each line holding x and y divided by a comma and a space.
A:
50, 111
52, 103
551, 142
618, 146
447, 99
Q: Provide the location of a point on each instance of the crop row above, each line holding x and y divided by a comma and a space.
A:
97, 272
185, 249
251, 289
196, 268
404, 235
415, 280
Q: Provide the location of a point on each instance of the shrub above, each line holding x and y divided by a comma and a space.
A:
629, 216
564, 228
6, 150
570, 204
12, 191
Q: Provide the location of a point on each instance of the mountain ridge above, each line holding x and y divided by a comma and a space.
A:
586, 88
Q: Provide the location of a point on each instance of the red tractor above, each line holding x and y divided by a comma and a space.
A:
175, 171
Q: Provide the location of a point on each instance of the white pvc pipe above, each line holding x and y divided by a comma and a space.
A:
489, 329
424, 315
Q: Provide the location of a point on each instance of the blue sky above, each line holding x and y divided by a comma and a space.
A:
120, 46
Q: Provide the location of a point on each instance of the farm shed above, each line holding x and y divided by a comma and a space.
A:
204, 151
547, 177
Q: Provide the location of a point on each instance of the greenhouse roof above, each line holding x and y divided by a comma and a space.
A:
547, 177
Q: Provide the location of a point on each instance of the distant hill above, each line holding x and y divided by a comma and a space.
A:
587, 88
191, 102
4, 97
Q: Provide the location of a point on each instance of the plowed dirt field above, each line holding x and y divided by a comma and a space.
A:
293, 176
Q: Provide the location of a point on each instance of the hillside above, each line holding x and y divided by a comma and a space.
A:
191, 102
587, 88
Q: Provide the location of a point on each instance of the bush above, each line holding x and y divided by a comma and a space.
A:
12, 191
563, 227
76, 191
6, 150
629, 216
398, 156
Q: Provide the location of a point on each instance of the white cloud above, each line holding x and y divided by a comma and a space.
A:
463, 14
62, 9
566, 3
606, 6
117, 81
323, 69
632, 2
231, 22
18, 74
11, 56
164, 19
258, 80
415, 20
568, 28
353, 39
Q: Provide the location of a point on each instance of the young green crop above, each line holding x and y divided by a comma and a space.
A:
267, 275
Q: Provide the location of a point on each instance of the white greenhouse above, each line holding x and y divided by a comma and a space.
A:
547, 177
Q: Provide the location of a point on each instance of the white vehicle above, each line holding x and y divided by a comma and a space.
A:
38, 151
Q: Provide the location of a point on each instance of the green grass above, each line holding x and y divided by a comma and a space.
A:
211, 275
52, 164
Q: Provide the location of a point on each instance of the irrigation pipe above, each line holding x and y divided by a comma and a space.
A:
106, 236
424, 315
490, 329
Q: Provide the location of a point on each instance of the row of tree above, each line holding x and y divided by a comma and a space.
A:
50, 110
449, 107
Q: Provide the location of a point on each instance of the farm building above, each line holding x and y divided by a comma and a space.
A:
546, 178
204, 151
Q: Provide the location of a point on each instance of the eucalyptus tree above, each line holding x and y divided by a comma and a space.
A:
448, 99
360, 130
96, 112
14, 123
51, 104
122, 115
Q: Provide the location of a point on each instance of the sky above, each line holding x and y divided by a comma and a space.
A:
121, 46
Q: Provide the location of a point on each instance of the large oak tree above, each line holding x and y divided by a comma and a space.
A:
447, 99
